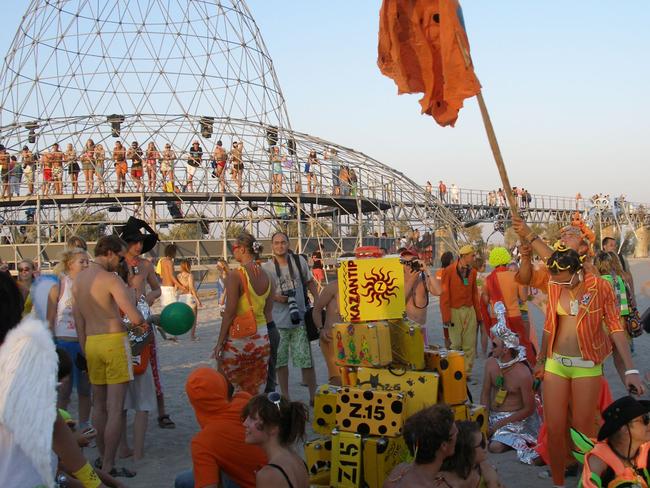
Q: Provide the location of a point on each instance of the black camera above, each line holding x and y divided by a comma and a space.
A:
294, 313
414, 264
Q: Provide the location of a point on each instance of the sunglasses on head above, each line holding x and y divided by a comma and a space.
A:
275, 398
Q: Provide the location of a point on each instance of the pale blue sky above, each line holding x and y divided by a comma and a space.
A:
566, 84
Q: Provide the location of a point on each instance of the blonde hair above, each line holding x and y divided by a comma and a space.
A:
67, 257
186, 265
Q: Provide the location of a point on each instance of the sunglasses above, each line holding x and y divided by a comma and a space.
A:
275, 398
563, 283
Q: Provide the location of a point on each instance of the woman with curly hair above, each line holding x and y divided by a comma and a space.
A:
243, 358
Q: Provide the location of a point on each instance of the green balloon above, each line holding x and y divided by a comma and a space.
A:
177, 318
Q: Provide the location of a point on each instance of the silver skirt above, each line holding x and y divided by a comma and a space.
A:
520, 436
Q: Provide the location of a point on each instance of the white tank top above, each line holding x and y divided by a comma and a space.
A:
65, 326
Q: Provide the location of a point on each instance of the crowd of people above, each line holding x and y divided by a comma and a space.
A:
132, 168
249, 430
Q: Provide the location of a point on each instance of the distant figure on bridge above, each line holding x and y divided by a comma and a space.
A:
167, 167
276, 170
578, 198
87, 160
119, 158
501, 197
442, 191
429, 188
152, 162
310, 166
135, 154
237, 165
70, 158
193, 161
27, 158
336, 169
100, 166
492, 199
220, 157
56, 159
4, 172
455, 194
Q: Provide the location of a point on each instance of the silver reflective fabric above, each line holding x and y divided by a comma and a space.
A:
521, 436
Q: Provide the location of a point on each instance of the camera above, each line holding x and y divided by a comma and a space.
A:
294, 313
414, 264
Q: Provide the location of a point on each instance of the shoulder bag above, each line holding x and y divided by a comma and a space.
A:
244, 325
312, 331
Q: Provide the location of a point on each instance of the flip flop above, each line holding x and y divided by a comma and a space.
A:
122, 473
164, 422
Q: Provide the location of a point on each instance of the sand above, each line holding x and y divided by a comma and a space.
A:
167, 451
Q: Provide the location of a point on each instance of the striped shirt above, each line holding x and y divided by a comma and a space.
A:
620, 292
597, 305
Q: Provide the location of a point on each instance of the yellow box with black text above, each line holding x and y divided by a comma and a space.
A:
346, 471
366, 344
420, 388
370, 412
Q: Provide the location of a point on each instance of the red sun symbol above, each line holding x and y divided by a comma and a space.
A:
379, 286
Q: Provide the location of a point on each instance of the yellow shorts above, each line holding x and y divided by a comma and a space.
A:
109, 359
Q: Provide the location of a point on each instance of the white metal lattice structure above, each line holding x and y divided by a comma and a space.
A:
168, 70
165, 57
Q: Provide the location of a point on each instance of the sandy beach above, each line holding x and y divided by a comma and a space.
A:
167, 451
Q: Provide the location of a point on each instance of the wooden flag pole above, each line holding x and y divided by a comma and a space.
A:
494, 145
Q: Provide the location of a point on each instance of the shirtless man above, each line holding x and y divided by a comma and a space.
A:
508, 394
237, 163
56, 159
4, 172
169, 283
220, 156
100, 295
418, 283
119, 157
328, 301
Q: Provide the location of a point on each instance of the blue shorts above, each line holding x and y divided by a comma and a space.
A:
79, 378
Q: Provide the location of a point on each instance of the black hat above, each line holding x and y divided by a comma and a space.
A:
620, 413
131, 233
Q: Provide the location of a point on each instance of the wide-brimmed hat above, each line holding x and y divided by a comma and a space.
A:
620, 413
132, 232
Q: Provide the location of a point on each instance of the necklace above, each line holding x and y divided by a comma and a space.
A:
574, 305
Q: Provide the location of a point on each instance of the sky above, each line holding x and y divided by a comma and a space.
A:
566, 85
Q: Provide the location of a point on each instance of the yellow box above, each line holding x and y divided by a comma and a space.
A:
318, 455
371, 289
325, 409
461, 412
346, 460
348, 375
420, 388
407, 341
432, 358
366, 344
370, 412
452, 376
380, 456
478, 413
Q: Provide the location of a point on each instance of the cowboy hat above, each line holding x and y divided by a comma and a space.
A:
131, 232
620, 413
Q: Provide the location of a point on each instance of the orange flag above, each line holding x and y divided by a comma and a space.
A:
421, 45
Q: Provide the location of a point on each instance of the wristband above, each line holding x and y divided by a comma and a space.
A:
87, 476
631, 371
531, 237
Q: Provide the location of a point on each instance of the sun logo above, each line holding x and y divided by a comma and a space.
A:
379, 286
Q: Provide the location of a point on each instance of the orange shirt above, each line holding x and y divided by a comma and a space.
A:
510, 292
597, 304
456, 294
220, 445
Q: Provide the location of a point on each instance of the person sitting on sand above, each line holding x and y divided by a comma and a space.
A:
430, 436
468, 467
274, 423
220, 455
508, 393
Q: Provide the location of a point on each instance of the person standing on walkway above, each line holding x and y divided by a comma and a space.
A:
289, 271
459, 305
